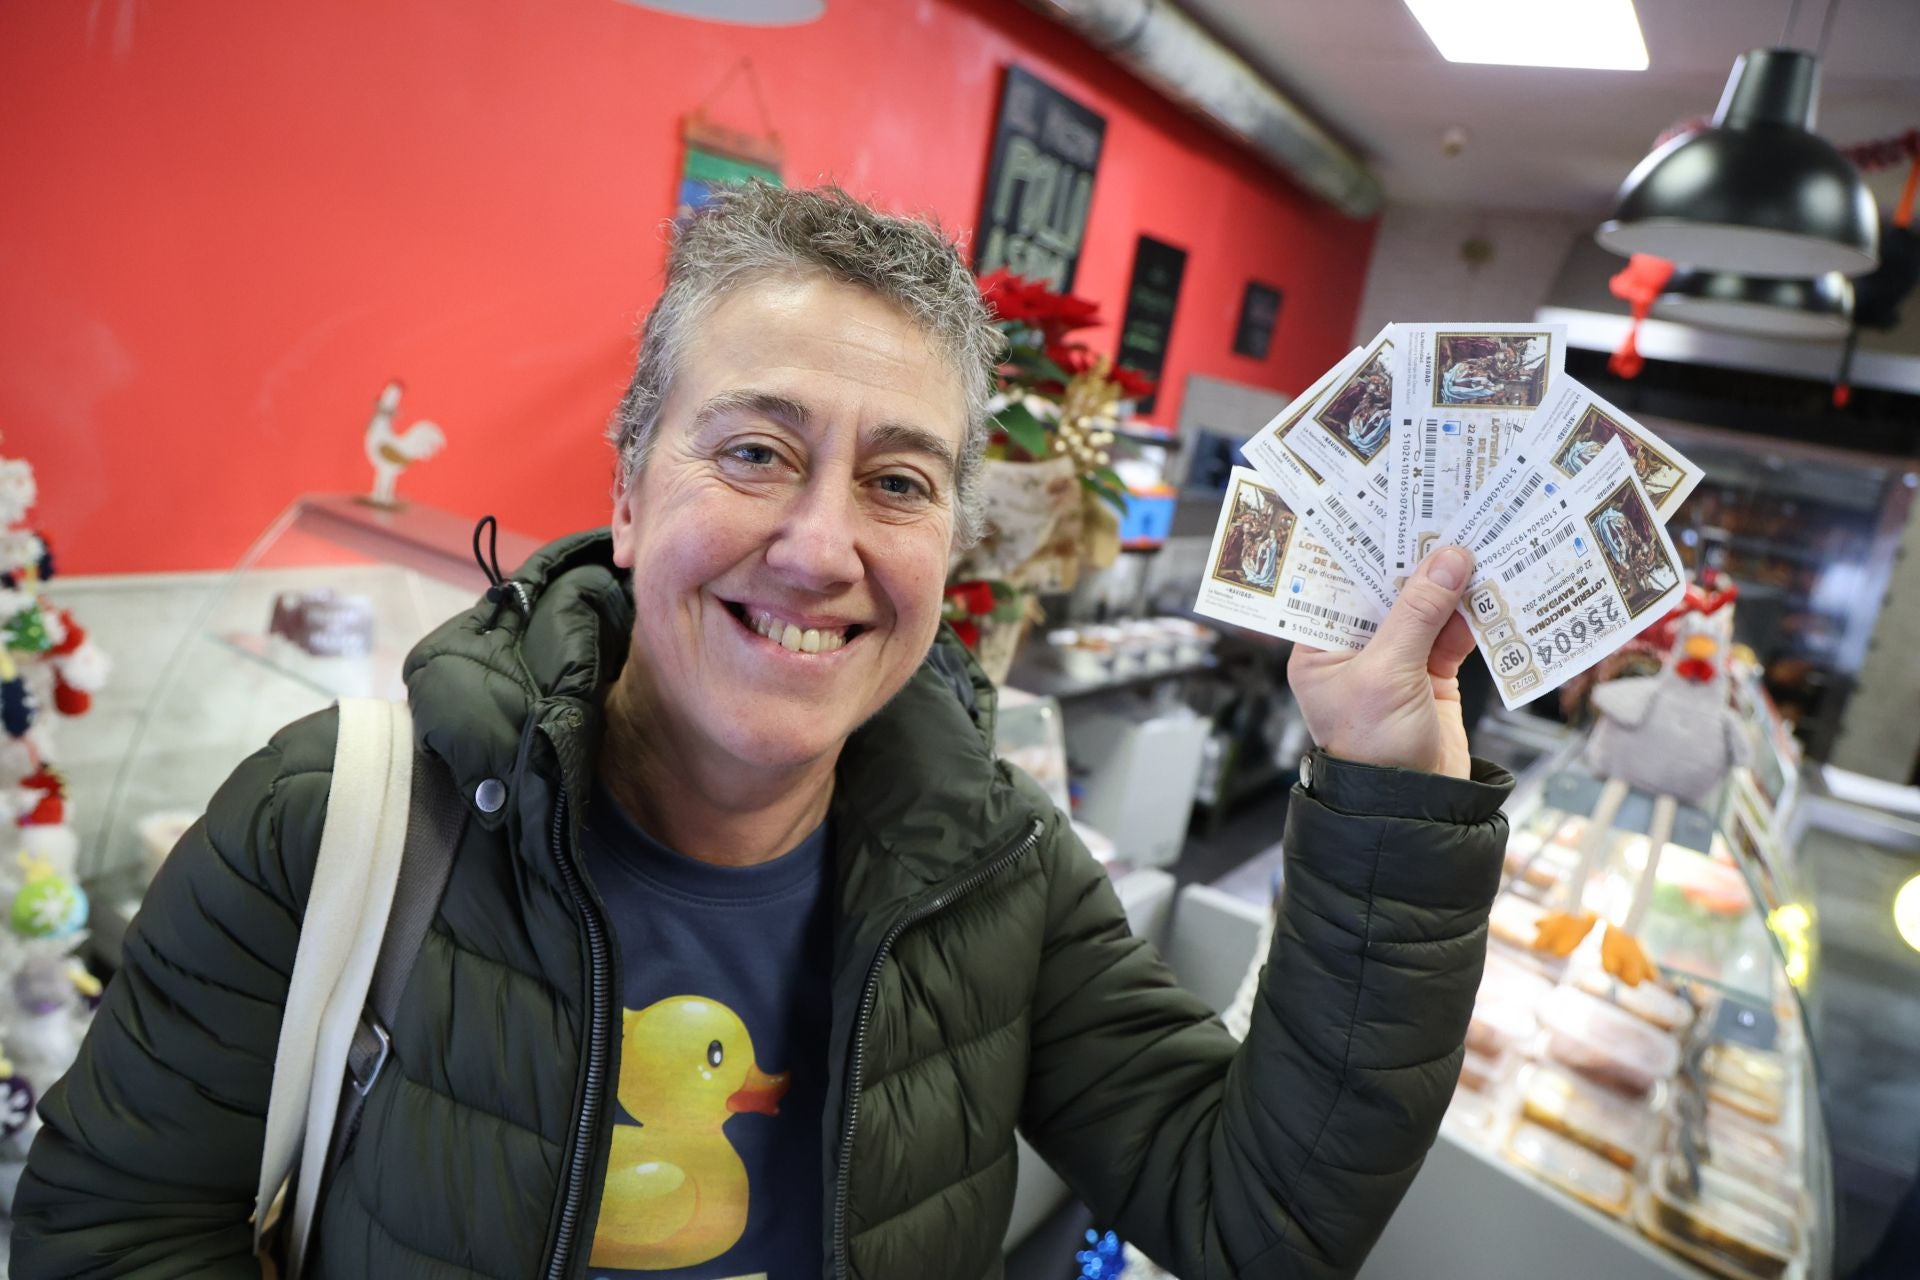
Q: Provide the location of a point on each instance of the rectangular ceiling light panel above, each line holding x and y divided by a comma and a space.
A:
1603, 35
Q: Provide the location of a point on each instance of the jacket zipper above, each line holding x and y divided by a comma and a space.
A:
580, 1159
938, 903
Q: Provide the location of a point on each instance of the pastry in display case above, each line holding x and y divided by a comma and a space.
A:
1718, 1219
1594, 1115
1566, 1164
326, 603
1606, 1044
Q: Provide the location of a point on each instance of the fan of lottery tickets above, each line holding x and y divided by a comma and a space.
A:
1455, 433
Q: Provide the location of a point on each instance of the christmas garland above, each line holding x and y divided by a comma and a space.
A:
48, 663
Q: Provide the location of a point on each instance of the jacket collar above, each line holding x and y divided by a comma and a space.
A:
919, 801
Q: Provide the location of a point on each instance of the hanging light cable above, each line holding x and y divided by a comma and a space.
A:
1757, 192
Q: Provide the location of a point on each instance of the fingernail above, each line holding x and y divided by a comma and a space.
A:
1449, 566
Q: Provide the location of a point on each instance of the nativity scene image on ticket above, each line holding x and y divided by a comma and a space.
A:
1630, 543
1360, 414
1661, 475
1491, 368
1293, 420
1255, 541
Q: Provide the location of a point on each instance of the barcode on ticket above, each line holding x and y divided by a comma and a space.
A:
1332, 615
1431, 463
1355, 528
1536, 555
1525, 491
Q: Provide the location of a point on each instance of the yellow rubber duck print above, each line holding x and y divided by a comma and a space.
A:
676, 1190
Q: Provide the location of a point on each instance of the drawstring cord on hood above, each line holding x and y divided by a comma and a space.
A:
500, 589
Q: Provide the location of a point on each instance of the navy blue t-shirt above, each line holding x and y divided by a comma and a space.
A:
715, 1168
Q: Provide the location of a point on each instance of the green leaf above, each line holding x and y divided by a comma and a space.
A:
1023, 429
1113, 495
1036, 365
1110, 478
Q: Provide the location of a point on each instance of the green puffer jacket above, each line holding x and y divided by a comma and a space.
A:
983, 980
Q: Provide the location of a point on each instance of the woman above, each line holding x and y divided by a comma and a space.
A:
753, 957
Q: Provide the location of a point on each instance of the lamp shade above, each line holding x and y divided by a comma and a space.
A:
1817, 309
1757, 193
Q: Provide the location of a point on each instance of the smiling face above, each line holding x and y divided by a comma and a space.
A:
789, 532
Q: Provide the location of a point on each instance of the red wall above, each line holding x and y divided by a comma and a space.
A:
226, 223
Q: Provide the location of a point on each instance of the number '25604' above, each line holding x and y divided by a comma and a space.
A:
1564, 640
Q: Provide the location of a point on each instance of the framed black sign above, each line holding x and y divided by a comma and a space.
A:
1152, 295
1033, 218
1259, 317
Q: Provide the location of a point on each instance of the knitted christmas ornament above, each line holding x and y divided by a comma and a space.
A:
21, 554
16, 706
27, 631
49, 905
52, 786
16, 1104
18, 492
78, 674
67, 700
70, 634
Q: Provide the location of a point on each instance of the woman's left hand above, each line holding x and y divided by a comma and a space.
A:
1397, 701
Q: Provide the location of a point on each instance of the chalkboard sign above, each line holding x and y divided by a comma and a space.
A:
1259, 316
1039, 183
1151, 296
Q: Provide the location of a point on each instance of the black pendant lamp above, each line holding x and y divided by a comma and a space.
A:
1757, 193
1820, 309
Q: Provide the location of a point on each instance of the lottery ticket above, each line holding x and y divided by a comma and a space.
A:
1567, 570
1265, 571
1327, 454
1267, 444
1577, 424
1571, 432
1463, 394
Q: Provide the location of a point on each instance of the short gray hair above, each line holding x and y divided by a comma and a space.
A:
757, 232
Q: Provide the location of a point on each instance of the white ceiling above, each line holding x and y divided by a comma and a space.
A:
1543, 138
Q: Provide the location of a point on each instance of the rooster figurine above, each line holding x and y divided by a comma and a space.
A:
393, 452
1672, 734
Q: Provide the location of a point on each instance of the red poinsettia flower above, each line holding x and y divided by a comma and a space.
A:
1031, 302
974, 598
1074, 357
1133, 384
1009, 297
1062, 313
969, 633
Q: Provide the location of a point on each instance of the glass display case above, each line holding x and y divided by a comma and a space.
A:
326, 603
1683, 1111
1028, 732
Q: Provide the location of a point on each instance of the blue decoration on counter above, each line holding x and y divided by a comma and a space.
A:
1106, 1260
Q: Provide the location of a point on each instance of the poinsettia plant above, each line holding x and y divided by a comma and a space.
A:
1057, 396
1053, 497
969, 606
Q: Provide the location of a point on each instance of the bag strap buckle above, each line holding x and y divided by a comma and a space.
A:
372, 1045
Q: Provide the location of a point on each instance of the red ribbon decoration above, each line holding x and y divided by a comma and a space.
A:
1637, 284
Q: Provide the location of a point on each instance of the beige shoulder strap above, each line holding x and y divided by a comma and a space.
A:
340, 934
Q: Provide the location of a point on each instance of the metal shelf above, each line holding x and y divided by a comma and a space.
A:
1051, 682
